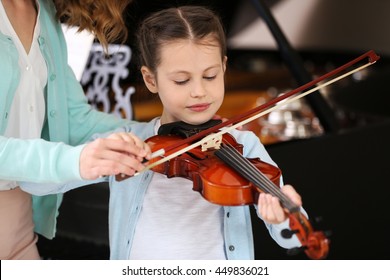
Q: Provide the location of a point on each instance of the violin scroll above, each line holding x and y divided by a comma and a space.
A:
315, 244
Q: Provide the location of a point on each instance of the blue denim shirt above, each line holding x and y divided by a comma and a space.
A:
126, 198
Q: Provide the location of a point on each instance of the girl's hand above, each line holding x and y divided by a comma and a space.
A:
119, 153
270, 208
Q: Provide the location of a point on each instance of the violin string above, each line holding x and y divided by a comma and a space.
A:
259, 179
236, 163
249, 169
232, 157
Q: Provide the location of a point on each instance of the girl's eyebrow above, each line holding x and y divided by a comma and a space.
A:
186, 72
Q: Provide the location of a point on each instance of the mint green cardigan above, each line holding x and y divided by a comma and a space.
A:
70, 121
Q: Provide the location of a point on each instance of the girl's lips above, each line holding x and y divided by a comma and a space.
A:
199, 107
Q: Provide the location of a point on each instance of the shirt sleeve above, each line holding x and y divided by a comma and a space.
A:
40, 189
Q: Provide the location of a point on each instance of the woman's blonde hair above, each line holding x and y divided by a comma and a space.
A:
103, 18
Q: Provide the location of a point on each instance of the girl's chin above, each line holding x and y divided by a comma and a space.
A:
195, 120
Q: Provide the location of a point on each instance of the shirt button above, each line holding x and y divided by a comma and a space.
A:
52, 77
6, 115
231, 248
31, 108
28, 67
53, 113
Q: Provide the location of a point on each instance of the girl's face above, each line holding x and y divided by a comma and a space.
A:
189, 81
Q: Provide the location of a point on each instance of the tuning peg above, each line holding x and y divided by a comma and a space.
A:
288, 233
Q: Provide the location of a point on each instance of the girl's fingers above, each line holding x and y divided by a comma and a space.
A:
270, 209
289, 191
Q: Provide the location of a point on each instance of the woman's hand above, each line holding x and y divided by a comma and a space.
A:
270, 208
119, 153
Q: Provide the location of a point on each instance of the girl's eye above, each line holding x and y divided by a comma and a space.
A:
181, 82
210, 78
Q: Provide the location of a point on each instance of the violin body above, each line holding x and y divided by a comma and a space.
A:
211, 177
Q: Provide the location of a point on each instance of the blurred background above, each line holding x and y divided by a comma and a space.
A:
331, 145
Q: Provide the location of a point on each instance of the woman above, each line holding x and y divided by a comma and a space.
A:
45, 116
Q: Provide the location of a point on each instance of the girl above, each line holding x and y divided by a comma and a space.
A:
41, 98
183, 55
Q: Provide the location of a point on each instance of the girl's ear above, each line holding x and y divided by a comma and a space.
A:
224, 63
149, 79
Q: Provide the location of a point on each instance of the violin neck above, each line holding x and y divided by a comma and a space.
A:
250, 172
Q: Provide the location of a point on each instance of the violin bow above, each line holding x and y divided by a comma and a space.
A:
211, 133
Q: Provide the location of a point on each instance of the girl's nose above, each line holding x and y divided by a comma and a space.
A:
198, 90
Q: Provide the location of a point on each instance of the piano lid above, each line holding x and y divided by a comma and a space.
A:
331, 25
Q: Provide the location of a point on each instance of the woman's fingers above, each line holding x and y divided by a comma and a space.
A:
133, 140
120, 154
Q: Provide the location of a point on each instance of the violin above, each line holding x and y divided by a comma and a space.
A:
211, 158
211, 177
224, 177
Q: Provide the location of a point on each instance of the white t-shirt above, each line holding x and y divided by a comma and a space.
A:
177, 223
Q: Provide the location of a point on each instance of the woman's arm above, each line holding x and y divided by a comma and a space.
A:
45, 189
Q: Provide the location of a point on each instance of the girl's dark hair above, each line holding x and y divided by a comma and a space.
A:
186, 22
